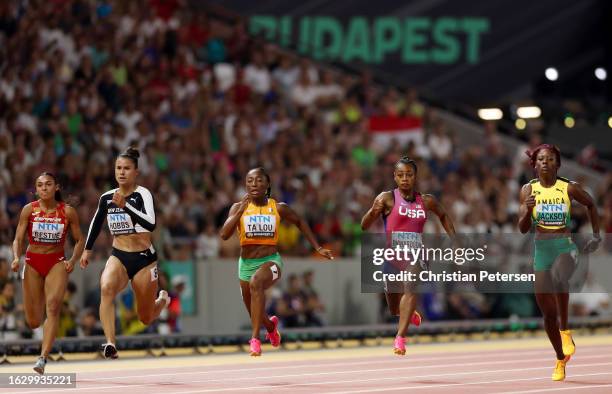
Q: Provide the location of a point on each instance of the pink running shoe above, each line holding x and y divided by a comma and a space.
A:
255, 346
416, 319
399, 347
274, 337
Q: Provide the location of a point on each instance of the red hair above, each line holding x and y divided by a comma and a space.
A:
533, 154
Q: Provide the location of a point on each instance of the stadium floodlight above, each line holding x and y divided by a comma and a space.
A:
610, 122
529, 112
551, 74
490, 113
601, 73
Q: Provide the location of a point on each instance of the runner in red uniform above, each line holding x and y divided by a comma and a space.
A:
46, 221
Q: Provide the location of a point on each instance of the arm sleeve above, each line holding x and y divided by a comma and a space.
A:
96, 224
147, 218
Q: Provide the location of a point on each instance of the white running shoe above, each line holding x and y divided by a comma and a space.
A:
163, 295
39, 367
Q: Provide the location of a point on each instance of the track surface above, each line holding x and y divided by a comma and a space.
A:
495, 366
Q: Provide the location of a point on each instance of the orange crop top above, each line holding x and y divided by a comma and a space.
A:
259, 224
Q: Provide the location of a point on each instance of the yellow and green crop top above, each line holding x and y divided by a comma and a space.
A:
553, 204
259, 224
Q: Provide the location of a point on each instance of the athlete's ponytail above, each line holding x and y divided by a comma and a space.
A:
132, 154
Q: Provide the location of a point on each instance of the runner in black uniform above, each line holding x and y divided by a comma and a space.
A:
130, 213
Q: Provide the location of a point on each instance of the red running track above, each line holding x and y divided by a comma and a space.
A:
521, 366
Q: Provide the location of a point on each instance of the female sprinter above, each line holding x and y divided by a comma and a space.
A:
130, 214
546, 202
256, 217
404, 211
46, 221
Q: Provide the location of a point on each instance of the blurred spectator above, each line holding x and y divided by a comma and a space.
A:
313, 307
128, 316
174, 309
8, 313
592, 300
290, 307
208, 243
5, 272
88, 324
68, 314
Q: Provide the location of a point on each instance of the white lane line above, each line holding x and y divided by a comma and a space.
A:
559, 388
310, 364
458, 384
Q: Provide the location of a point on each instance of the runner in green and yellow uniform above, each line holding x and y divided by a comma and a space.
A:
546, 204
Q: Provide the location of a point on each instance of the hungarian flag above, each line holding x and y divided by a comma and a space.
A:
401, 129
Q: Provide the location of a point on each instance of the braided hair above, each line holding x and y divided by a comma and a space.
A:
408, 161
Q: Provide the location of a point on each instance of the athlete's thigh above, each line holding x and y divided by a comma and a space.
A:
268, 274
544, 283
33, 294
145, 286
114, 277
563, 267
55, 284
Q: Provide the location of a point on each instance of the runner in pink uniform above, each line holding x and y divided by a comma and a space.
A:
404, 212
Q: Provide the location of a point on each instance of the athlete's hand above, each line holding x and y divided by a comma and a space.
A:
592, 245
244, 203
69, 265
379, 205
119, 200
325, 253
15, 265
84, 259
530, 202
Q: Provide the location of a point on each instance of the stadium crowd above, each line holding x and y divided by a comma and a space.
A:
82, 80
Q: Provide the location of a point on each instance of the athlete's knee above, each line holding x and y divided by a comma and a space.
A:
54, 306
107, 290
549, 314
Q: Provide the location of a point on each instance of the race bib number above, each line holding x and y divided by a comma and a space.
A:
154, 274
120, 223
551, 214
409, 239
45, 232
259, 226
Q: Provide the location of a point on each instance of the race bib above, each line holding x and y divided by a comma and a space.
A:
551, 214
401, 238
259, 226
45, 232
120, 223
